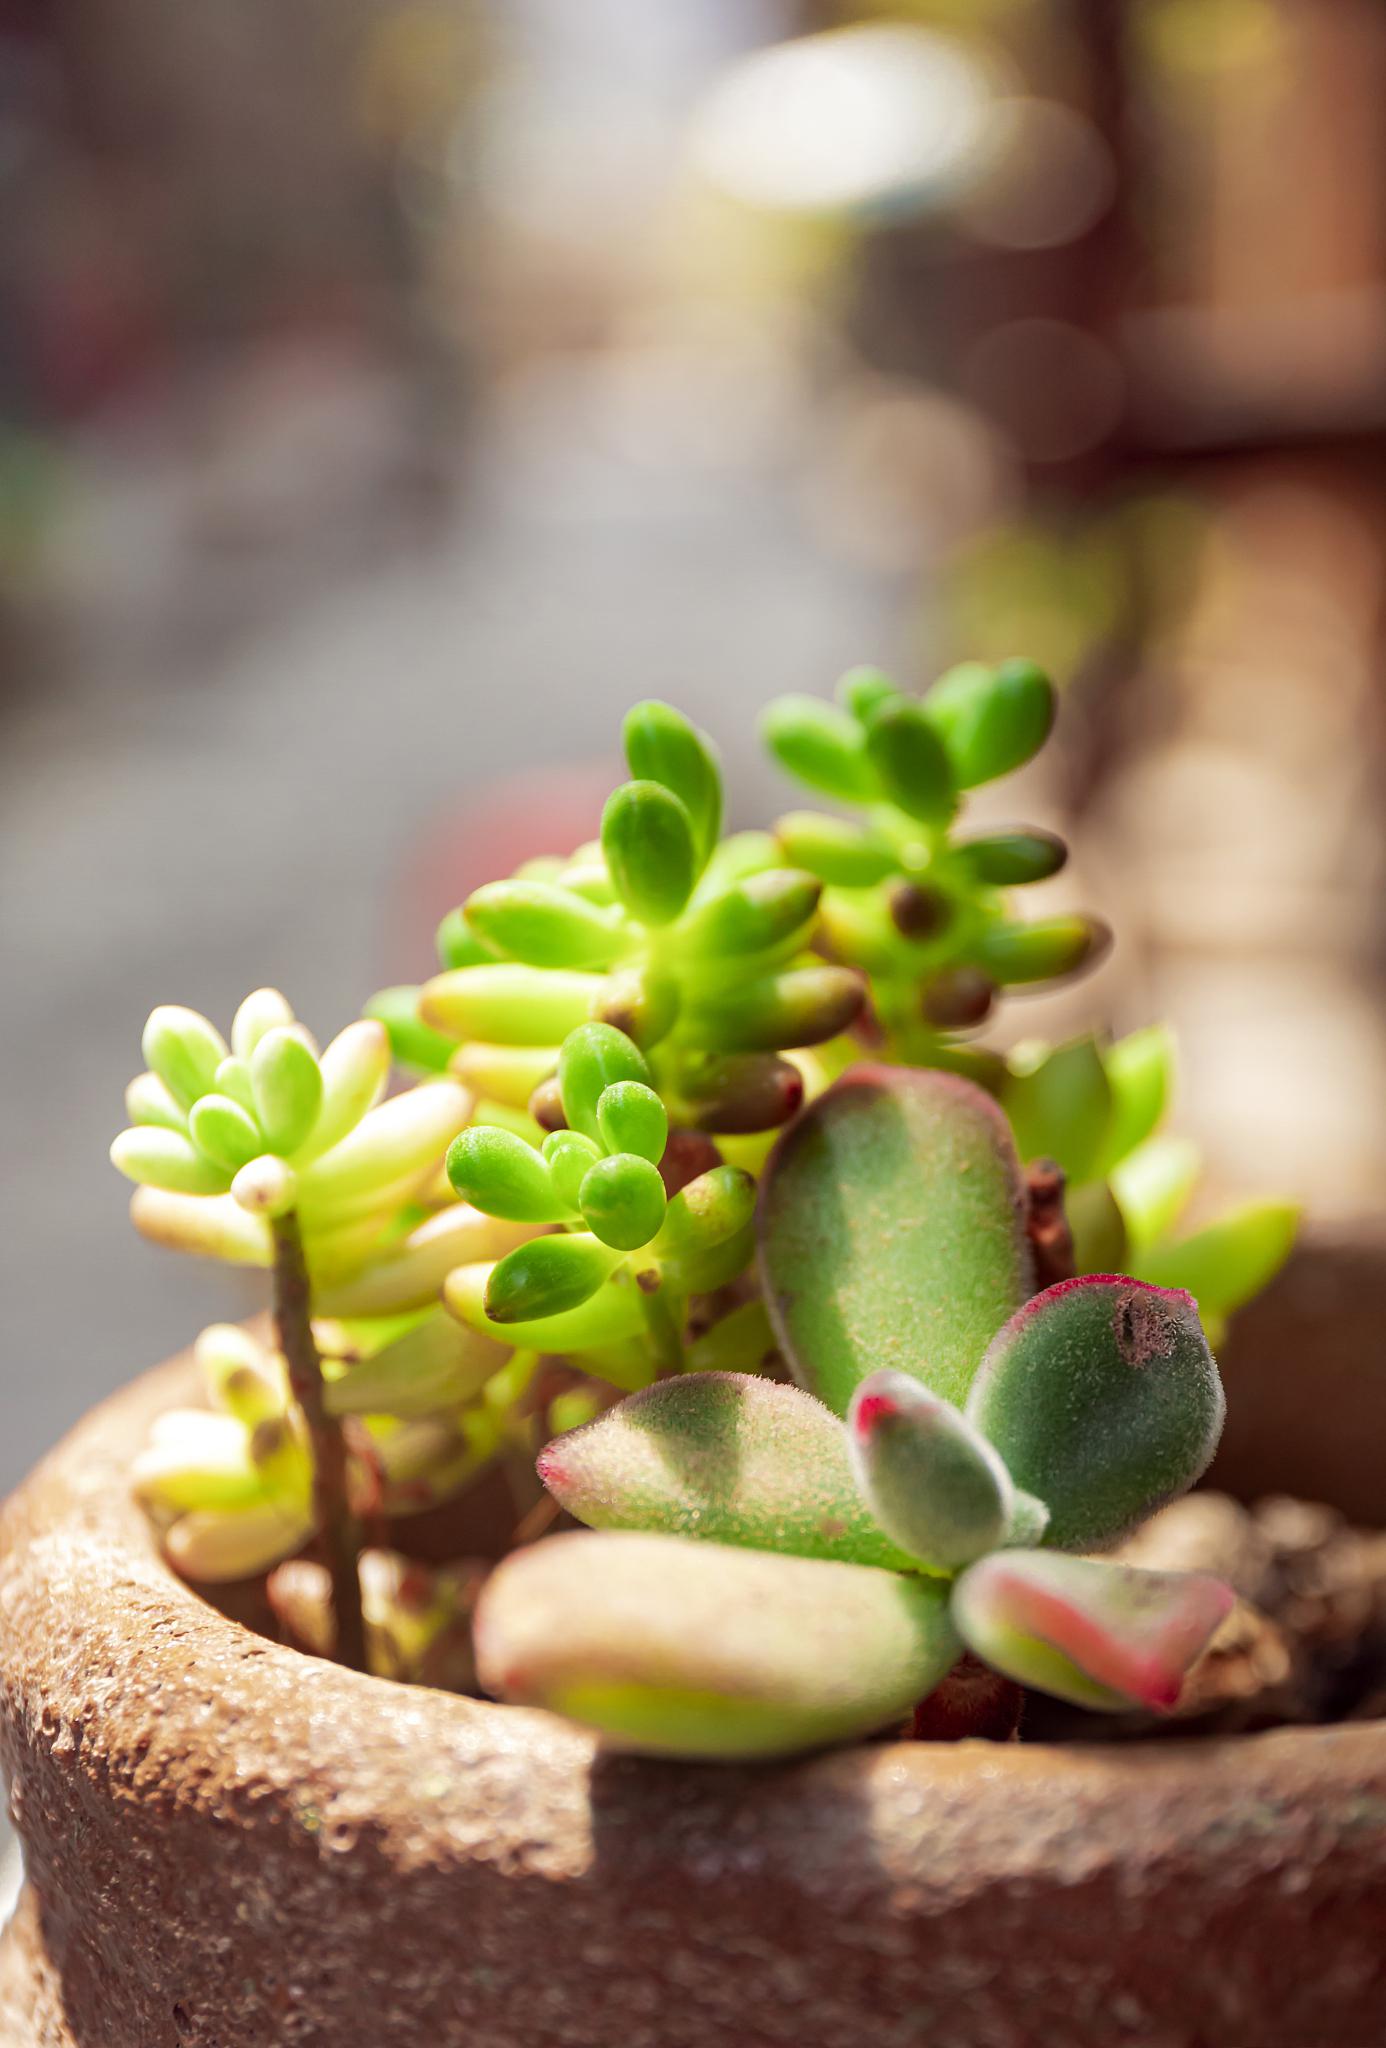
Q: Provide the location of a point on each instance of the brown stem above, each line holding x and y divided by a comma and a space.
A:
337, 1529
1046, 1225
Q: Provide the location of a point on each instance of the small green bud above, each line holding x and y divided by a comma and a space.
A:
802, 1006
184, 1050
544, 926
1102, 1635
863, 691
569, 1155
147, 1101
935, 1486
821, 746
632, 1118
834, 850
590, 1060
1048, 950
287, 1081
911, 761
663, 746
769, 909
266, 1186
264, 1010
648, 840
546, 1277
160, 1158
502, 1175
991, 720
1009, 860
222, 1130
622, 1200
508, 1004
416, 1046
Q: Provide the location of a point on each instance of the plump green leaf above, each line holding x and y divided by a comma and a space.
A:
505, 1073
569, 1156
287, 1084
801, 1006
459, 944
184, 1050
935, 1486
891, 1232
1010, 860
1102, 1635
159, 1158
821, 746
991, 720
622, 1200
1047, 950
226, 1133
509, 1004
632, 1118
651, 851
750, 916
911, 761
834, 850
665, 747
591, 1060
1230, 1261
724, 1457
263, 1010
415, 1046
739, 1092
547, 1276
1103, 1398
863, 690
610, 1315
1061, 1108
1152, 1186
502, 1175
699, 1649
545, 926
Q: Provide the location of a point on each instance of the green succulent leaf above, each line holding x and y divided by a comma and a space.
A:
609, 1316
1104, 1400
592, 1059
651, 851
891, 1232
158, 1158
1061, 1109
911, 761
622, 1200
632, 1118
834, 850
547, 1276
545, 926
287, 1083
1229, 1262
702, 1650
148, 1101
802, 1006
739, 1093
226, 1133
1011, 860
663, 746
502, 1175
864, 690
768, 909
1140, 1071
936, 1487
184, 1050
1102, 1635
569, 1155
822, 747
726, 1458
415, 1045
1050, 949
506, 1003
1152, 1186
458, 943
991, 720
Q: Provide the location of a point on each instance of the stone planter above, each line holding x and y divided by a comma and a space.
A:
233, 1846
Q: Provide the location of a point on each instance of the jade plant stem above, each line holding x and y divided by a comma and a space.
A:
331, 1502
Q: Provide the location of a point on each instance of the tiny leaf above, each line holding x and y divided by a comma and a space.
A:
665, 747
991, 720
622, 1200
821, 746
504, 1176
935, 1485
547, 1276
648, 840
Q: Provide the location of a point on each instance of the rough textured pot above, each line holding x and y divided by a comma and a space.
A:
230, 1844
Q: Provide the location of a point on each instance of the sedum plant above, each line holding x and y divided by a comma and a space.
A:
559, 1209
769, 1567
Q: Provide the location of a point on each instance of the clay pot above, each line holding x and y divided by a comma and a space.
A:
231, 1844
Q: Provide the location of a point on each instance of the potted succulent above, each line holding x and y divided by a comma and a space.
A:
706, 1222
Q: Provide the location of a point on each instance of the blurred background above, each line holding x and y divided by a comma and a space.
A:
392, 390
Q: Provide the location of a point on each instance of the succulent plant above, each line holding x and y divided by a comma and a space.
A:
921, 909
769, 1567
561, 1210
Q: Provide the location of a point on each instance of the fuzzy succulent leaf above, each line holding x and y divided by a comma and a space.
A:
702, 1650
891, 1232
1102, 1635
725, 1457
1103, 1398
933, 1482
